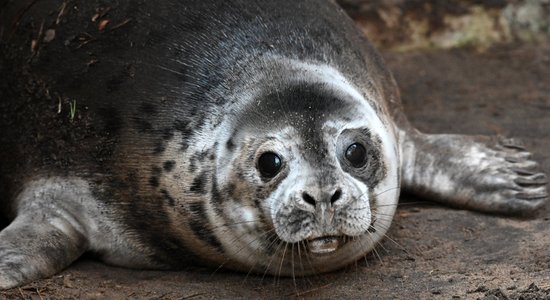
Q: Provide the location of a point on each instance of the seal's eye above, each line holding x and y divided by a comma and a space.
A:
356, 154
269, 164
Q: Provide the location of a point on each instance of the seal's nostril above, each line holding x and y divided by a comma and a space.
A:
308, 198
336, 196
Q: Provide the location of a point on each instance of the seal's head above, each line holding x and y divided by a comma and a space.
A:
308, 173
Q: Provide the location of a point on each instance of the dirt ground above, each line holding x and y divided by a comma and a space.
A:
432, 251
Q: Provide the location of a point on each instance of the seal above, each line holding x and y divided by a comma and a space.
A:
259, 136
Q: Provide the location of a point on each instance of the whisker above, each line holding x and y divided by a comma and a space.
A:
242, 247
271, 261
388, 190
292, 265
385, 217
364, 256
378, 194
300, 245
374, 249
396, 243
282, 261
390, 216
408, 203
269, 245
306, 247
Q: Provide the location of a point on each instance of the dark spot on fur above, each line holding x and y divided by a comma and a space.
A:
168, 197
198, 184
192, 167
155, 173
200, 227
230, 145
217, 198
230, 189
257, 203
202, 155
160, 143
154, 181
240, 175
200, 230
197, 208
156, 170
184, 128
167, 133
159, 148
168, 165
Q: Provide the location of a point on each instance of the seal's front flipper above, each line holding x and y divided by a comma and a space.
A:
473, 172
31, 249
47, 235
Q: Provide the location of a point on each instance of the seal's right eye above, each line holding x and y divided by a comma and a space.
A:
356, 154
269, 164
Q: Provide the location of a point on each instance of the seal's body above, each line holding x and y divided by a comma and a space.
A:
265, 137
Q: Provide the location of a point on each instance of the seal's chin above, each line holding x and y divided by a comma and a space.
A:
325, 244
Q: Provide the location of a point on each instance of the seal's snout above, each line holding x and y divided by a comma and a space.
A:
323, 205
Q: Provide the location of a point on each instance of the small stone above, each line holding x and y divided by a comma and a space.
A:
67, 282
436, 291
479, 289
103, 24
49, 35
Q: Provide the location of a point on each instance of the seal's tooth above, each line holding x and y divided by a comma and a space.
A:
323, 245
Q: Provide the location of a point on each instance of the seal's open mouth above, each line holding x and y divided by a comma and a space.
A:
325, 244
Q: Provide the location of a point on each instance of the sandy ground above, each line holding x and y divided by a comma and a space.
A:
431, 251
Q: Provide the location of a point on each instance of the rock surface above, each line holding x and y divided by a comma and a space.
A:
414, 24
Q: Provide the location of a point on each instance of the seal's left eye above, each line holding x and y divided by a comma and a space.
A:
356, 154
269, 164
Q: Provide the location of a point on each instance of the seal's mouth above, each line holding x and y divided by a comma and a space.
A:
325, 244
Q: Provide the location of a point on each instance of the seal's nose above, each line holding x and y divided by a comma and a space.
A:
337, 194
313, 202
308, 199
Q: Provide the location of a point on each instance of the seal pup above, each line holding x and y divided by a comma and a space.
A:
258, 136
